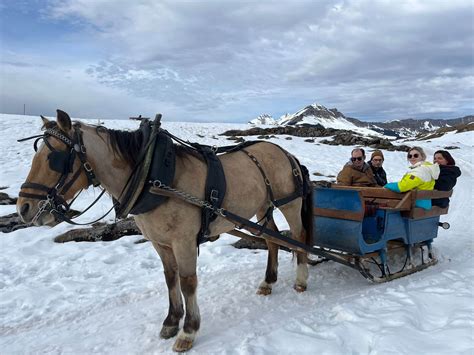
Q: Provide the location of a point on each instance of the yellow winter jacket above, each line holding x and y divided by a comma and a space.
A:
421, 176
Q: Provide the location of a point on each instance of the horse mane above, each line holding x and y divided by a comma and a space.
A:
128, 145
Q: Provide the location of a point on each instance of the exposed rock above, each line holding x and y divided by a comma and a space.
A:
7, 200
11, 222
250, 244
348, 138
465, 128
101, 232
266, 136
451, 147
322, 183
236, 139
256, 244
459, 128
340, 137
298, 131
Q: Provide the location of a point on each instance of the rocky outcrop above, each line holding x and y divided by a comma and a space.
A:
101, 232
347, 138
11, 222
298, 131
7, 200
340, 137
459, 128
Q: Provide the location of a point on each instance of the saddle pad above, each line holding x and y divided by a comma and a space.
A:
162, 168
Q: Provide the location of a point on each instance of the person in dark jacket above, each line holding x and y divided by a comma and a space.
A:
448, 176
376, 162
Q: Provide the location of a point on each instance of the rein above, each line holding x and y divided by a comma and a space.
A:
63, 163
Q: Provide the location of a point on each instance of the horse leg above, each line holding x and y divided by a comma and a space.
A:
175, 312
271, 273
292, 213
186, 257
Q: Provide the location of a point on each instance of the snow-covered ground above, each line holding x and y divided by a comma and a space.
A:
111, 298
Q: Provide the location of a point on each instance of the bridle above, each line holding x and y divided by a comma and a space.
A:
62, 162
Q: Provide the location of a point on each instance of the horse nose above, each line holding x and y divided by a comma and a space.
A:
24, 209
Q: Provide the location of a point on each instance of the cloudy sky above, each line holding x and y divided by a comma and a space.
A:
230, 61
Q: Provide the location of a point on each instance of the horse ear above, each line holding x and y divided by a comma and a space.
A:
64, 121
45, 120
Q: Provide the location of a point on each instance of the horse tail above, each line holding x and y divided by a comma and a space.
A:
307, 206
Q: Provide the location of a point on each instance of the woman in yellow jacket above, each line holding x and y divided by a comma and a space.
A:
420, 176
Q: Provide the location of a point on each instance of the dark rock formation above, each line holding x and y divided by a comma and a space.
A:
348, 138
250, 244
298, 131
101, 232
7, 200
11, 222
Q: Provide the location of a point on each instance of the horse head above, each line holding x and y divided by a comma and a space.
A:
58, 171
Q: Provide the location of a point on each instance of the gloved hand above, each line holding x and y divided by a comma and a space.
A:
393, 186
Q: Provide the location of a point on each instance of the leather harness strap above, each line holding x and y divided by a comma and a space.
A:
61, 162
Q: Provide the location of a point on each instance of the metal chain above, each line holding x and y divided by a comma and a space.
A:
59, 135
188, 197
43, 207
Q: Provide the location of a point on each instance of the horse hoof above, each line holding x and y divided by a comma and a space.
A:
182, 345
168, 332
264, 291
299, 288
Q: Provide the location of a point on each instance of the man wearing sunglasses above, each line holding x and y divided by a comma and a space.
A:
356, 172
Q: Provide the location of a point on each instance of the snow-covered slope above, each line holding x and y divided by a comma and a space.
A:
317, 114
111, 298
263, 120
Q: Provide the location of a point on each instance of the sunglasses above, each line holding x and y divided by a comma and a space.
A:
357, 158
413, 155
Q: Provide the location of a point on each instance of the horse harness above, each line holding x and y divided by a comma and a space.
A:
149, 184
215, 187
61, 162
156, 168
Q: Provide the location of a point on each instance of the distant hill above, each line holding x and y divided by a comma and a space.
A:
412, 127
317, 114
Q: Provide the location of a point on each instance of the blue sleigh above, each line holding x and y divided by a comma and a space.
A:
367, 227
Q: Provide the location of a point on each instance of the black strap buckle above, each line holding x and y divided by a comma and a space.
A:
214, 196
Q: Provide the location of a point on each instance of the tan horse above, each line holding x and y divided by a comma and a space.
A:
173, 226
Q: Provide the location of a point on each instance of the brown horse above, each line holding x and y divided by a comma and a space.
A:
172, 227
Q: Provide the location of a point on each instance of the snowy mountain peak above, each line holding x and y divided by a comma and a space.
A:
315, 114
264, 119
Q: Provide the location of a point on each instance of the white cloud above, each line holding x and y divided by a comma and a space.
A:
213, 59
